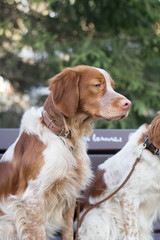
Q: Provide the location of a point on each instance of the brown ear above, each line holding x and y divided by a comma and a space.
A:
154, 131
65, 91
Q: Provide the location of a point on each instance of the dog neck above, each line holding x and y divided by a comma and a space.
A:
54, 119
79, 125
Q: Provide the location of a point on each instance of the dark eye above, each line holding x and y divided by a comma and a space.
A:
97, 85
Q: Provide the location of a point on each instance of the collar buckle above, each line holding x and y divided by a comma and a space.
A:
66, 134
62, 130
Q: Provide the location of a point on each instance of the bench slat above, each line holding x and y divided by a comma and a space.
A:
7, 137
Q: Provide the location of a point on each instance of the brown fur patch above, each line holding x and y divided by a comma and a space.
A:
154, 132
28, 154
97, 187
1, 213
9, 177
25, 165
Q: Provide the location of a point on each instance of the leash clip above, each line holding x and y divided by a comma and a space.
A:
141, 150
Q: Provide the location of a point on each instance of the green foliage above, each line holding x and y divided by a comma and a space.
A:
122, 37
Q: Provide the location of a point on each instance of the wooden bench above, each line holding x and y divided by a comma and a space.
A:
101, 145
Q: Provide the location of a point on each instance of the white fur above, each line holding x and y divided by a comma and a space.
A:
130, 214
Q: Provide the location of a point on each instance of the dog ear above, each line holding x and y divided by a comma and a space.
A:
154, 131
65, 91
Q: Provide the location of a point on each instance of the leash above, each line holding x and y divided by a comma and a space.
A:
80, 220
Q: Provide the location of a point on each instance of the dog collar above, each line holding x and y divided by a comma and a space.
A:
54, 126
150, 146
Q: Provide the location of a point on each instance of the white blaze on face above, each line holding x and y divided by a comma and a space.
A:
108, 83
107, 77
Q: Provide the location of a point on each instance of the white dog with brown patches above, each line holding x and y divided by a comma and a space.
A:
130, 213
43, 172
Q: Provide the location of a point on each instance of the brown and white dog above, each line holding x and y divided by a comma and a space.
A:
130, 213
44, 170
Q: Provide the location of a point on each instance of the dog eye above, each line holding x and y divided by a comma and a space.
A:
97, 85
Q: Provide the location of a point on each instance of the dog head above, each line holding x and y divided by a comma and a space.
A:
88, 90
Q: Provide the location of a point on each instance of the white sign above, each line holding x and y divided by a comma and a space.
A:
96, 138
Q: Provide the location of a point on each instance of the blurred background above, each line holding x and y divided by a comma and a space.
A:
40, 38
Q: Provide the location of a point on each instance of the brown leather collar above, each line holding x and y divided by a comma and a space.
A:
54, 126
151, 147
